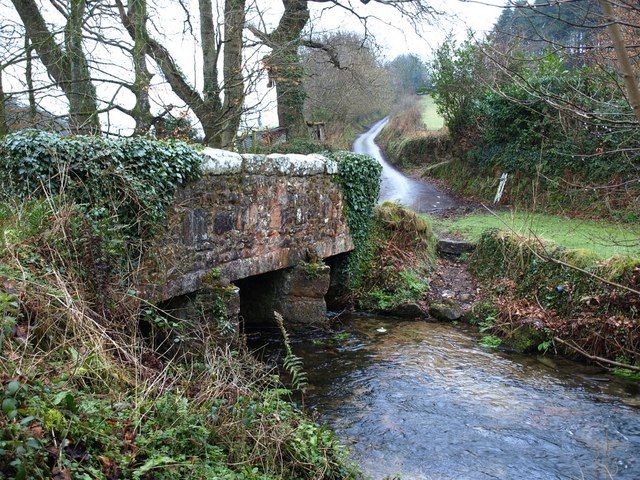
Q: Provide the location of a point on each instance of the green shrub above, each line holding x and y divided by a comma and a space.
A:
359, 177
456, 70
547, 124
55, 426
126, 183
400, 256
490, 341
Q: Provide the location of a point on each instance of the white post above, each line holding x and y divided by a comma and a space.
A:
503, 182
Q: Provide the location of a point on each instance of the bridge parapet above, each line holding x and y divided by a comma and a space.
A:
248, 215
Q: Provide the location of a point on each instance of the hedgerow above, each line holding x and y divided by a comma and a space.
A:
557, 130
407, 142
126, 183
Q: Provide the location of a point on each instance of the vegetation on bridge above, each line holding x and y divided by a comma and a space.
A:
97, 382
123, 185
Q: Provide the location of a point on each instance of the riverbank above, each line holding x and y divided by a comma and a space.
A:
96, 380
533, 289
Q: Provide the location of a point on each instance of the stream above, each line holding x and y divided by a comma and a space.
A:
426, 401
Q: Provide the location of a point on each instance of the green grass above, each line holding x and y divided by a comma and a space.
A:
430, 116
602, 238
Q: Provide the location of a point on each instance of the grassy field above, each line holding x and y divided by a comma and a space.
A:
430, 115
602, 238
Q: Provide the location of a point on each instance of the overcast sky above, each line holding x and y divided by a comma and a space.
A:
394, 34
397, 36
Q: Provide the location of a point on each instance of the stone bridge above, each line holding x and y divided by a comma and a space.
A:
263, 223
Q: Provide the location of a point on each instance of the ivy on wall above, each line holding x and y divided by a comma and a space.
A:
126, 183
359, 177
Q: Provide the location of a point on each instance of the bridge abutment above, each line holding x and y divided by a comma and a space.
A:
297, 293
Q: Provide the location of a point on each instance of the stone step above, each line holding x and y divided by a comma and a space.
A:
455, 247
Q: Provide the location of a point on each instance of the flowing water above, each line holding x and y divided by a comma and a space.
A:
426, 401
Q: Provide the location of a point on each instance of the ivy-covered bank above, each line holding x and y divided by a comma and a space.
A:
399, 259
542, 296
97, 383
124, 184
394, 247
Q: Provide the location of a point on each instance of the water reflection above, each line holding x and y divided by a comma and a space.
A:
425, 401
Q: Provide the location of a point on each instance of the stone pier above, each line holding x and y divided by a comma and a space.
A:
297, 293
250, 216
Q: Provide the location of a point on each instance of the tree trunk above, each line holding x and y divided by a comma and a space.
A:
290, 92
83, 117
234, 16
628, 73
69, 68
286, 70
211, 116
4, 129
141, 112
28, 48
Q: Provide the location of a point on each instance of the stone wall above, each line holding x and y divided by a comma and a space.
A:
247, 215
298, 293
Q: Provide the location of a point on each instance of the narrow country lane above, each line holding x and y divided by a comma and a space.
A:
418, 195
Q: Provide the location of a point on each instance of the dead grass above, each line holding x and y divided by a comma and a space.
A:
589, 304
72, 331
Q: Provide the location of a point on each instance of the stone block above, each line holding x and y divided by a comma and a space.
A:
300, 294
330, 166
297, 165
449, 246
408, 310
254, 163
445, 311
299, 311
307, 280
220, 162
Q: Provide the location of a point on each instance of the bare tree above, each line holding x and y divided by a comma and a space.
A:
219, 118
283, 63
355, 91
4, 129
628, 73
67, 66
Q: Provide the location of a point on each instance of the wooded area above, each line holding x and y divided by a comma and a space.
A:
88, 67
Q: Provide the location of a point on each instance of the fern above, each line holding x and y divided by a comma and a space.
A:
292, 363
